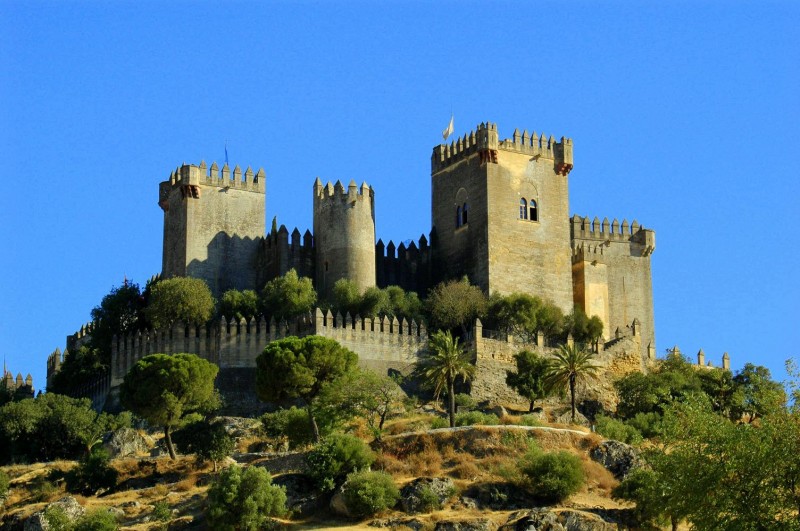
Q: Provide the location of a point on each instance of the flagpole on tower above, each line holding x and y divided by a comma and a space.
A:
449, 131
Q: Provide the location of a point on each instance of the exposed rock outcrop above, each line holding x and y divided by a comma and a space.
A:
618, 458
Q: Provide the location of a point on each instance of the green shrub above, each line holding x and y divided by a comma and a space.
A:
529, 420
209, 442
648, 424
42, 488
5, 483
291, 423
92, 474
439, 422
100, 520
473, 418
617, 430
552, 477
162, 512
428, 500
367, 493
465, 401
336, 457
57, 519
244, 499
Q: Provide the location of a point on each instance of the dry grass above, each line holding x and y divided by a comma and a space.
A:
467, 470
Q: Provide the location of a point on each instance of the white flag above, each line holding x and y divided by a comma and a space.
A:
449, 131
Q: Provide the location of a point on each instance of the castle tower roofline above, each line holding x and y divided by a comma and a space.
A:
353, 192
190, 175
485, 137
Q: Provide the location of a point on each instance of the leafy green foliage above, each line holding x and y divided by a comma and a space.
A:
300, 368
346, 297
99, 520
336, 457
641, 487
529, 380
759, 395
183, 299
524, 316
163, 388
617, 430
162, 512
584, 329
455, 305
120, 312
291, 423
49, 427
92, 475
288, 296
551, 477
5, 483
718, 474
570, 364
362, 394
428, 500
367, 493
466, 401
391, 302
443, 363
80, 366
209, 441
476, 418
244, 499
238, 305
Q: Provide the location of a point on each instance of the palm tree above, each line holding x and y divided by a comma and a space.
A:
444, 362
570, 364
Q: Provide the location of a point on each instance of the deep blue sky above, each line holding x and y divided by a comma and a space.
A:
685, 116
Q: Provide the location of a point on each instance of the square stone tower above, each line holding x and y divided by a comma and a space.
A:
500, 213
214, 221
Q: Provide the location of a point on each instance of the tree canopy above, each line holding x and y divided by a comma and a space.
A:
455, 305
163, 388
288, 296
299, 368
238, 305
569, 365
180, 299
529, 380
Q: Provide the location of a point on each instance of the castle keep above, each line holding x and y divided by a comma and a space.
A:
499, 214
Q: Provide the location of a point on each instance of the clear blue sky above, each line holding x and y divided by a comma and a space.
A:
684, 115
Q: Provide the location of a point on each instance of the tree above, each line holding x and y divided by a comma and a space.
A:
243, 499
442, 364
404, 304
346, 297
238, 304
364, 394
209, 441
180, 299
569, 365
288, 296
529, 380
584, 329
162, 389
300, 368
456, 304
760, 396
374, 302
79, 367
120, 312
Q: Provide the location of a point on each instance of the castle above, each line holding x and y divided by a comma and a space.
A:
500, 216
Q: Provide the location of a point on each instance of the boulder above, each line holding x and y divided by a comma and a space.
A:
416, 496
125, 442
564, 416
532, 520
398, 523
301, 494
338, 505
582, 521
472, 524
617, 457
69, 505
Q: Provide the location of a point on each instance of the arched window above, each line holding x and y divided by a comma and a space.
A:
458, 217
534, 211
523, 209
464, 215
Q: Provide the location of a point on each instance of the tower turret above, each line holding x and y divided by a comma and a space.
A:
213, 224
344, 235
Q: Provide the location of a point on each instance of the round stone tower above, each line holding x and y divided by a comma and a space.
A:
344, 235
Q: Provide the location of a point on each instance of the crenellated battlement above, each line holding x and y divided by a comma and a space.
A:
485, 137
404, 265
281, 251
594, 237
337, 191
222, 177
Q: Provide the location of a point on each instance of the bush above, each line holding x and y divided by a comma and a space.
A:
465, 401
552, 477
439, 422
5, 483
649, 424
367, 493
161, 511
209, 442
617, 430
530, 420
92, 474
100, 520
243, 499
336, 457
428, 500
290, 423
471, 418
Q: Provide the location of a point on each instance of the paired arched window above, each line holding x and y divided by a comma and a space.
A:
527, 210
461, 215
